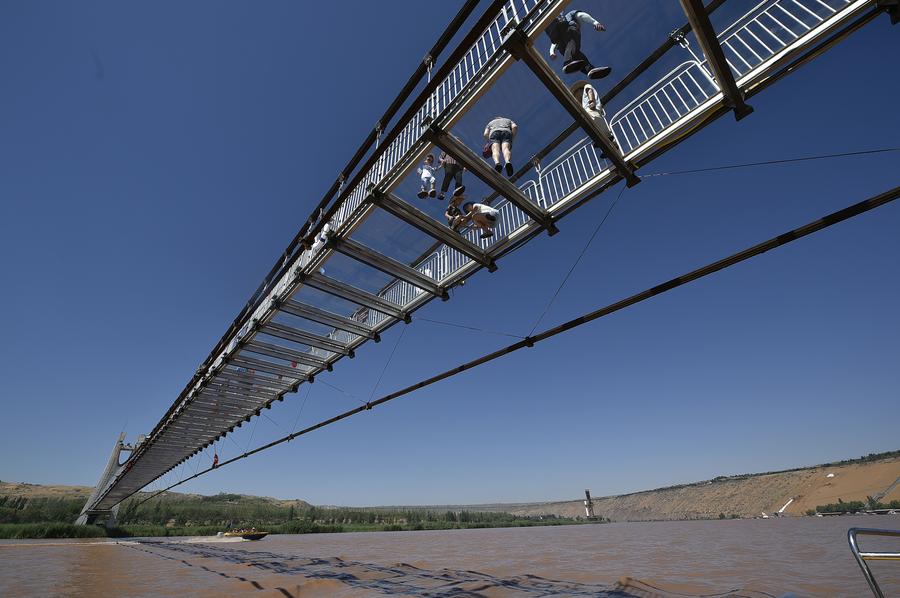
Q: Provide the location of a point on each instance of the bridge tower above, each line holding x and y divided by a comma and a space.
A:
588, 505
113, 466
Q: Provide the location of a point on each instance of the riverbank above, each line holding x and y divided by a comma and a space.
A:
38, 531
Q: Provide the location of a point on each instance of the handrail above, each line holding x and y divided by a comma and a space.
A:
862, 557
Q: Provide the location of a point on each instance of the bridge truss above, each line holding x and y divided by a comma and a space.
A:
302, 321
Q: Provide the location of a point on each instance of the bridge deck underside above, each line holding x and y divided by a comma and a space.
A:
382, 254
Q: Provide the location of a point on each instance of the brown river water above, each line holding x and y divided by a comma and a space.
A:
752, 558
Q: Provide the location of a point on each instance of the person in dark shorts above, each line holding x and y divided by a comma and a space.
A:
452, 171
500, 133
565, 34
483, 216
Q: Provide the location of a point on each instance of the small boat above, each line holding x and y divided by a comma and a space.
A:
246, 534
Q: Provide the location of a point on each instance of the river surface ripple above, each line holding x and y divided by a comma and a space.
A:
753, 558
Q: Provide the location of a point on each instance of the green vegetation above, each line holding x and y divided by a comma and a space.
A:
192, 515
854, 506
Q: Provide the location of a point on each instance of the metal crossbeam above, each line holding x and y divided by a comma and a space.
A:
519, 45
467, 158
279, 352
355, 295
390, 266
314, 314
268, 366
403, 210
244, 394
715, 57
297, 335
262, 383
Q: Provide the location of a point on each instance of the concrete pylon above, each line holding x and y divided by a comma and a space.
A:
90, 516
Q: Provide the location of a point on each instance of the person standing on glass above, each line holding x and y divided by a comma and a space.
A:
500, 133
565, 34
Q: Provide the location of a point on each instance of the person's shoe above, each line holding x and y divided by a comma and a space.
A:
459, 191
599, 72
573, 66
498, 167
432, 193
487, 235
509, 169
422, 194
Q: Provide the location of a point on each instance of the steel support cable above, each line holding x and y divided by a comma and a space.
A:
467, 327
387, 363
773, 162
577, 260
443, 41
692, 276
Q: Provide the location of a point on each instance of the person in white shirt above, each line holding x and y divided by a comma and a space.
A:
428, 181
590, 101
482, 216
565, 34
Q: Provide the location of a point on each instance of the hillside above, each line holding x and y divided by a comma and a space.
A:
743, 496
746, 495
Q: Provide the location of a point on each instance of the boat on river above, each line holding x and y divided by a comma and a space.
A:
246, 534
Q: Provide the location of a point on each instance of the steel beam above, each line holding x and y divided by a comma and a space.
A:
355, 295
237, 394
267, 366
404, 211
715, 57
279, 352
261, 385
256, 380
519, 45
493, 179
296, 335
390, 266
207, 402
236, 388
314, 314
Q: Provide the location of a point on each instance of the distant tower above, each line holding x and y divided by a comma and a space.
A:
588, 505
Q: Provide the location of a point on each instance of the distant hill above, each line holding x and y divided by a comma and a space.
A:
746, 495
40, 492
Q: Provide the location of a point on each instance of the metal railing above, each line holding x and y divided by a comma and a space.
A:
675, 96
862, 557
769, 27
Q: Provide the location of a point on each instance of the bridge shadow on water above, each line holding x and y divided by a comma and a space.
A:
401, 578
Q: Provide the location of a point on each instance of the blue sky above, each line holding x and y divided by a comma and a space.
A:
155, 161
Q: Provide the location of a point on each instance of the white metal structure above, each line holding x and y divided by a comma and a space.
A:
288, 340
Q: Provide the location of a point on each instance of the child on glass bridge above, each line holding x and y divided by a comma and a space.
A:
565, 33
428, 181
483, 216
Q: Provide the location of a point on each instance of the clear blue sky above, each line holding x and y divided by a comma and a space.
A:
155, 159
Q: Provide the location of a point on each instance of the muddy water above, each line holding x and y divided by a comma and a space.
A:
805, 556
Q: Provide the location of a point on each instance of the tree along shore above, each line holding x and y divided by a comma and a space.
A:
191, 515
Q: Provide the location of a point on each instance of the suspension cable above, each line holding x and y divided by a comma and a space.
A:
694, 275
578, 260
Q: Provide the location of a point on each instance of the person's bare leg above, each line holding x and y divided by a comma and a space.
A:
507, 156
495, 150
